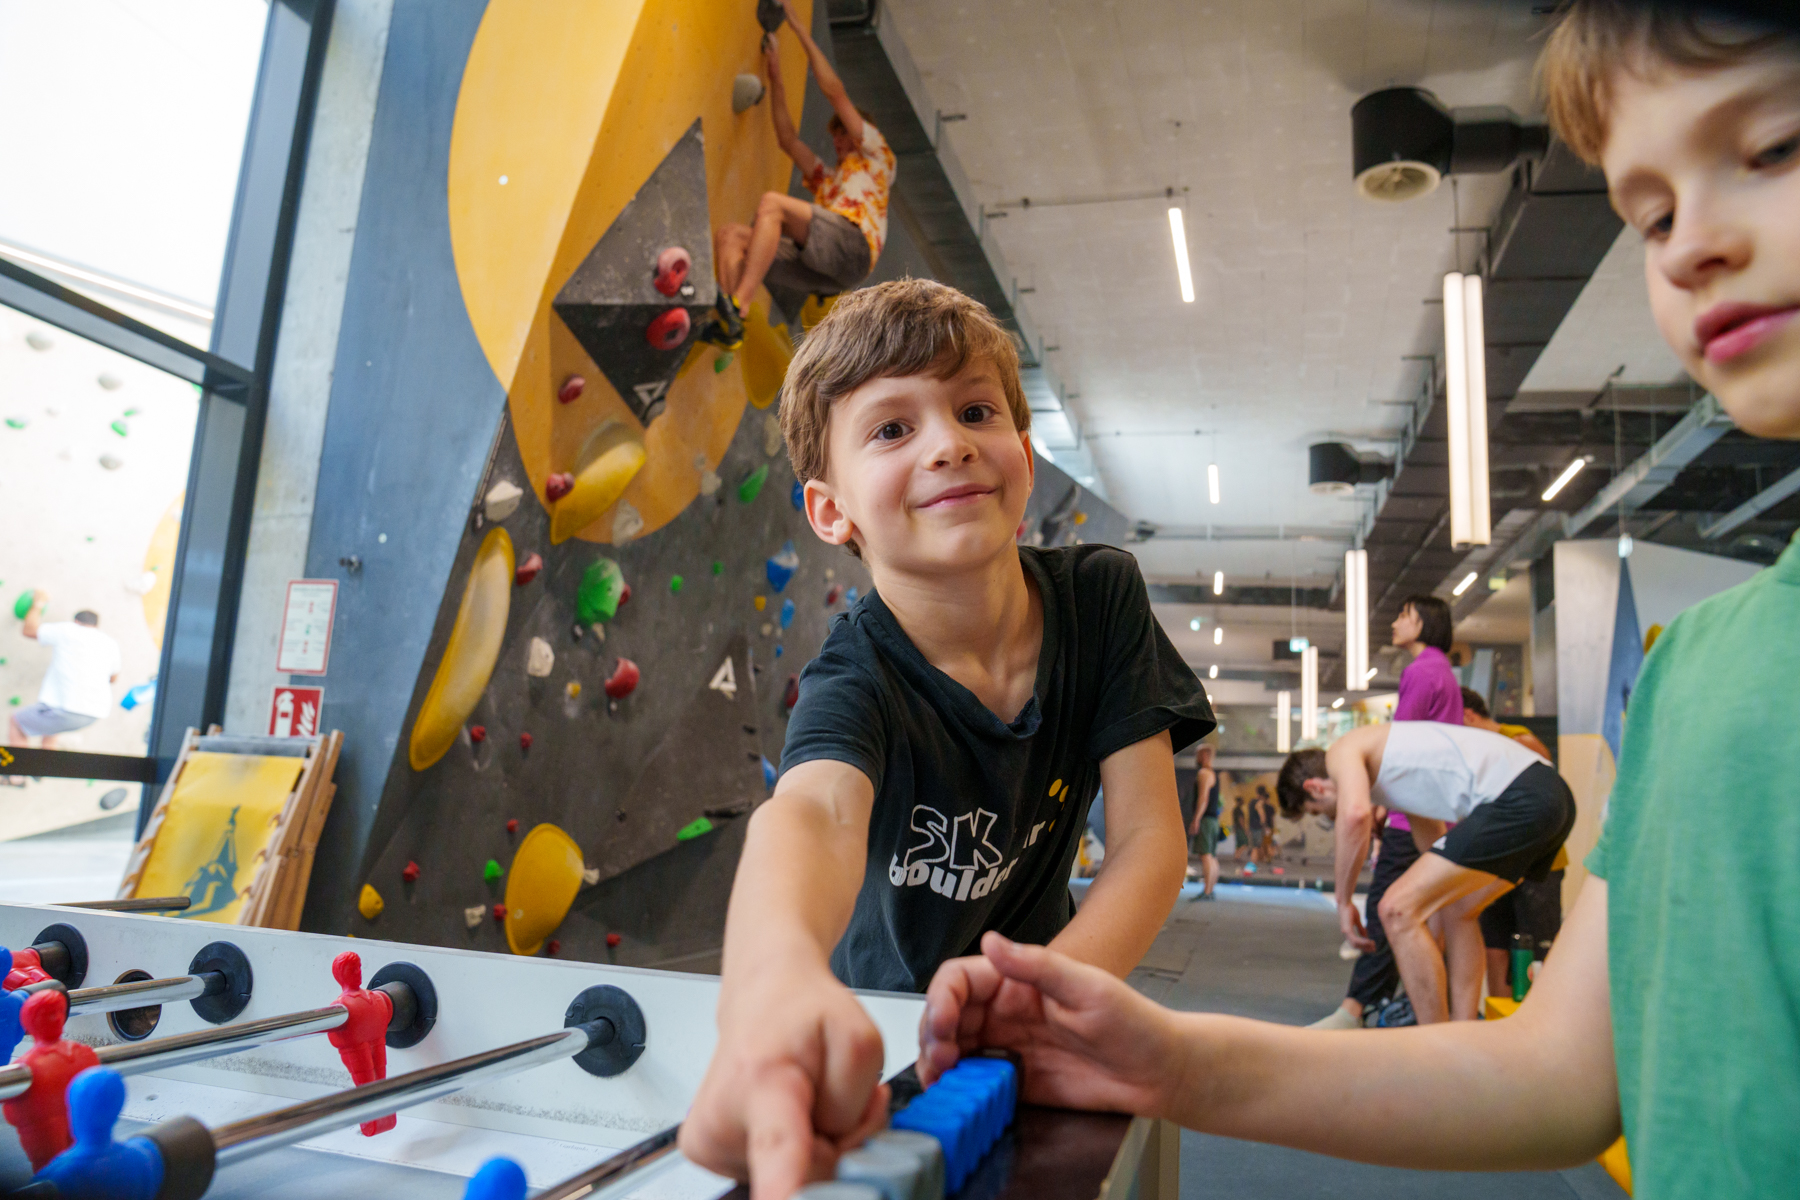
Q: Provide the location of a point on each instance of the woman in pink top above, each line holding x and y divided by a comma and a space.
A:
1429, 691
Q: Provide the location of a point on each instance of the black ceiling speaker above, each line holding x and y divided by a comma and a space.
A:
1404, 141
1335, 468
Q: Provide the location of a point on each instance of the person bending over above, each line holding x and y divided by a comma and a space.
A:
1671, 1002
1535, 906
77, 688
1428, 692
1512, 812
825, 247
947, 741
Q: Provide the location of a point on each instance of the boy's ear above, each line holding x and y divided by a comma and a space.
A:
828, 519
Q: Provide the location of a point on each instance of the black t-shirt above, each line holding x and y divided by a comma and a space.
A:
976, 822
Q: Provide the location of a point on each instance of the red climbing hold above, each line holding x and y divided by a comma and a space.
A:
672, 267
833, 594
478, 734
512, 826
528, 570
499, 912
571, 389
554, 948
613, 939
411, 873
669, 329
41, 1114
524, 741
791, 696
558, 486
361, 1041
624, 679
624, 592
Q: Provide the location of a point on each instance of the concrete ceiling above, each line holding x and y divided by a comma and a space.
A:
1609, 328
1309, 298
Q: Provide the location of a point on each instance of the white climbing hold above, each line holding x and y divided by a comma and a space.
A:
725, 679
746, 92
767, 629
39, 341
502, 500
474, 915
540, 659
110, 462
142, 584
110, 382
628, 522
771, 435
830, 574
590, 876
709, 478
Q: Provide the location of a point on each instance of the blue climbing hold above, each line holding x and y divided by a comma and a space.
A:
850, 596
143, 693
781, 566
96, 1167
798, 496
768, 773
498, 1179
787, 613
778, 650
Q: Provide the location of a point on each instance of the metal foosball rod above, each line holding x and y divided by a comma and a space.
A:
137, 904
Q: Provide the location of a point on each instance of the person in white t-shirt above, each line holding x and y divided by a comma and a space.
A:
1511, 813
77, 689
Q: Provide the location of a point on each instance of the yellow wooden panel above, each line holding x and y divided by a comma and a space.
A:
219, 821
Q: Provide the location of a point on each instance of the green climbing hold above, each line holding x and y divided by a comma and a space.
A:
492, 871
748, 490
601, 592
675, 584
721, 362
22, 605
15, 422
694, 830
718, 567
14, 702
118, 427
131, 412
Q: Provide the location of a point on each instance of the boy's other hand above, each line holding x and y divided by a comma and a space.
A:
1350, 921
771, 58
795, 1081
1086, 1040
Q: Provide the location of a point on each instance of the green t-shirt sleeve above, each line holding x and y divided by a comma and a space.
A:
1595, 862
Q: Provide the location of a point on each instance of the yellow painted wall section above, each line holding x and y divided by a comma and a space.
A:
534, 93
1586, 764
679, 65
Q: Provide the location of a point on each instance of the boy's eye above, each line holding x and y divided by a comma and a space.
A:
890, 431
975, 413
1660, 227
1775, 155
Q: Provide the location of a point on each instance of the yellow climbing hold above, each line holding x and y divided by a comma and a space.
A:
814, 309
540, 887
609, 460
573, 690
761, 603
469, 658
1056, 787
370, 903
767, 352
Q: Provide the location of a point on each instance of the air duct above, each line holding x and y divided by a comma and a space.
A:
1404, 141
1334, 468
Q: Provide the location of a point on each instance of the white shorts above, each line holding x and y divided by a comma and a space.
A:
45, 720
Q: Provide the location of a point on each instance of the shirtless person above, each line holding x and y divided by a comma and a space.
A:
1512, 812
825, 247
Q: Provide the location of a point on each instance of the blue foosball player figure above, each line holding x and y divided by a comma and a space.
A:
498, 1179
96, 1167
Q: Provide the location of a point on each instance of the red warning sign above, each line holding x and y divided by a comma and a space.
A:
295, 711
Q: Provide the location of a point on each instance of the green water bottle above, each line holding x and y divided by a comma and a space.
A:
1523, 951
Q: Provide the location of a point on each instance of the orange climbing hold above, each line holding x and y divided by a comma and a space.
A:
624, 679
571, 389
528, 570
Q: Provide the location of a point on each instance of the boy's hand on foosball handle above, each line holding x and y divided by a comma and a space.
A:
1085, 1039
795, 1081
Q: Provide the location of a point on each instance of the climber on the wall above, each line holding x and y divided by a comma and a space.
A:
825, 247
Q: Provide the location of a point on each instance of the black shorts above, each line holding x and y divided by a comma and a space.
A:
1533, 907
1515, 835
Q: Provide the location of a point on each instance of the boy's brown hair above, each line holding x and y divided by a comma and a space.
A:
1596, 38
904, 327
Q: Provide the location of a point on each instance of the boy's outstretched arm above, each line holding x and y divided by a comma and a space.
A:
796, 1075
829, 83
786, 136
1536, 1091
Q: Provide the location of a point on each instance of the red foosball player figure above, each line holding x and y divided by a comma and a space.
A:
362, 1040
26, 970
40, 1113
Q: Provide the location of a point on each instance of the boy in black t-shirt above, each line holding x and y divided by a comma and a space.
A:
947, 741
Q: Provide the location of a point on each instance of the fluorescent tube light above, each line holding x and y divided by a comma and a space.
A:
1218, 583
1356, 620
1309, 693
1212, 482
1462, 587
1368, 675
1179, 231
1465, 377
1562, 481
1194, 624
1213, 672
1338, 703
1284, 717
1218, 635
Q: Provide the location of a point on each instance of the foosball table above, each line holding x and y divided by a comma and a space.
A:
166, 1059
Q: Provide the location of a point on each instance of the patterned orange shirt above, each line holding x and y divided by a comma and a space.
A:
858, 189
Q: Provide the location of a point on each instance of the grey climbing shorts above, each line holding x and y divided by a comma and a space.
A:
834, 259
44, 720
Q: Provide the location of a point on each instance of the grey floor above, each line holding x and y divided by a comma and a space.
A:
1278, 961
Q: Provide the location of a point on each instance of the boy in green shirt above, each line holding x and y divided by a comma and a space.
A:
1670, 1006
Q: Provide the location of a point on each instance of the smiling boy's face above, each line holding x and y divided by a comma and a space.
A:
929, 475
1706, 166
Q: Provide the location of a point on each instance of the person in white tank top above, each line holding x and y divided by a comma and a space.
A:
1511, 813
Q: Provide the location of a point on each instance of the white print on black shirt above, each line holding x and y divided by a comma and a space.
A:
954, 856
